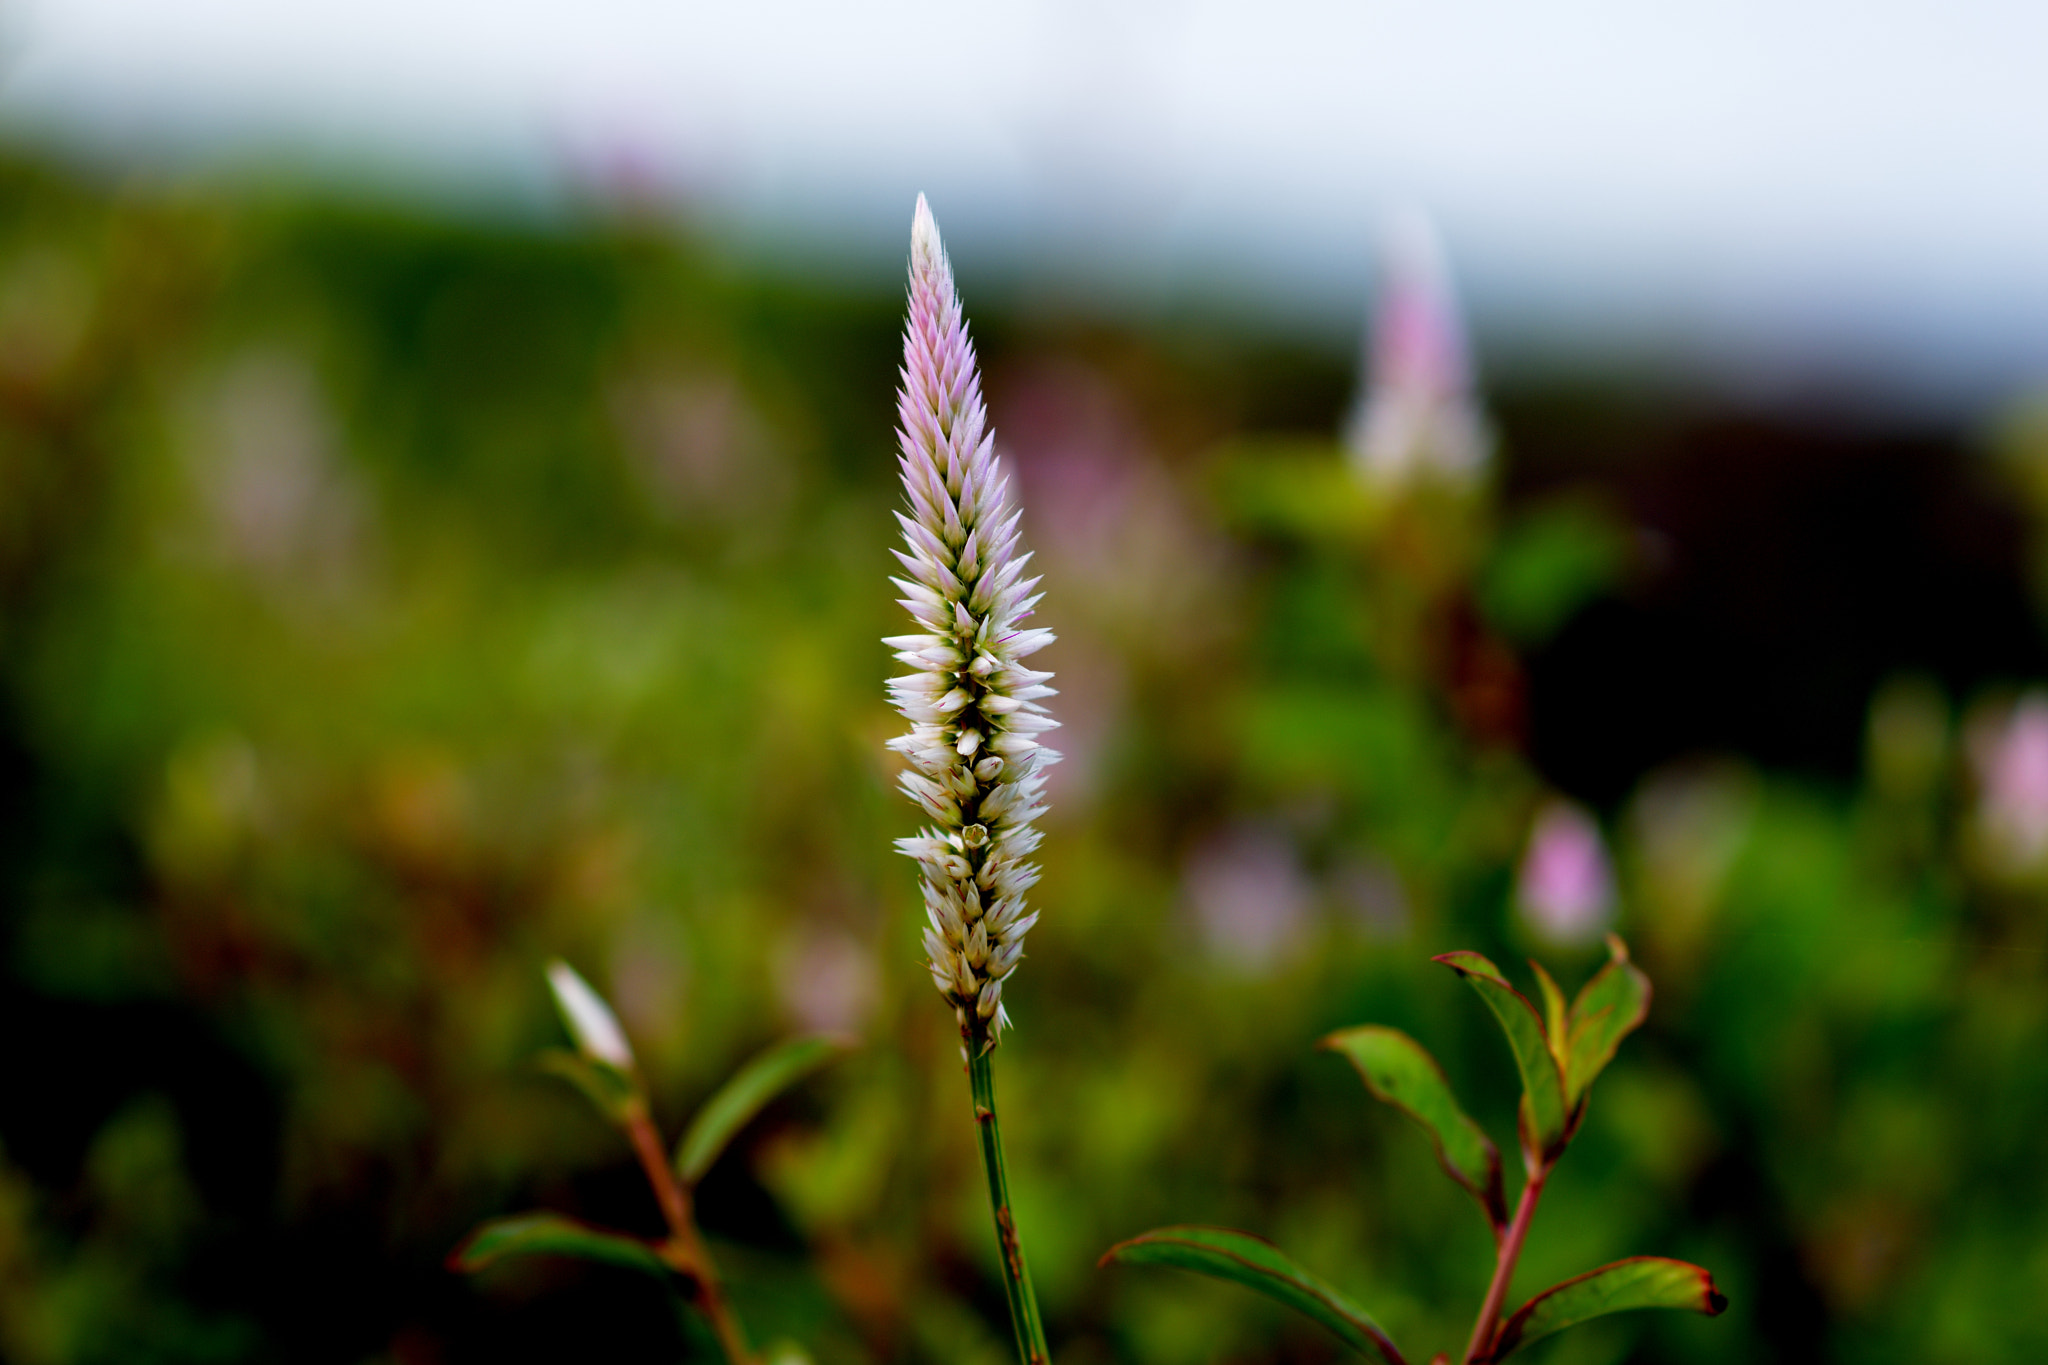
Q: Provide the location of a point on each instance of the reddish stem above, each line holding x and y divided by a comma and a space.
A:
684, 1250
1483, 1330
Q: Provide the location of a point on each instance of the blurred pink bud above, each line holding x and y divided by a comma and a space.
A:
1249, 897
1566, 888
591, 1022
2012, 770
1417, 419
826, 981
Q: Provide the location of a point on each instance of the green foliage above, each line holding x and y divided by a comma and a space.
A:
720, 1118
618, 1094
1609, 1008
1399, 1071
610, 1091
1257, 1264
550, 1234
393, 601
1545, 1117
1547, 564
1639, 1282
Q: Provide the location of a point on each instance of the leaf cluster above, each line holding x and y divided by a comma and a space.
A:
620, 1097
1559, 1051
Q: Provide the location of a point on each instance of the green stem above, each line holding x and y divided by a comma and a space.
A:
1031, 1349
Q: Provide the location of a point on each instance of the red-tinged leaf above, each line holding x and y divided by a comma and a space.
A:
1639, 1282
1399, 1071
1608, 1009
550, 1234
1257, 1264
1543, 1107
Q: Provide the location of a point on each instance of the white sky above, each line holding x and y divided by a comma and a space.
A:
1801, 183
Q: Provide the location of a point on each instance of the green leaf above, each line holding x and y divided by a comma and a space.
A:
1546, 564
1557, 1016
1639, 1282
1257, 1264
739, 1099
1399, 1071
1543, 1108
609, 1089
550, 1234
1610, 1007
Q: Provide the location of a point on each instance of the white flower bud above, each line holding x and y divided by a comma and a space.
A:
591, 1022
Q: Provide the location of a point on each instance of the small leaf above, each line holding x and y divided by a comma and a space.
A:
1543, 1108
1257, 1264
739, 1099
611, 1091
1639, 1282
1608, 1009
550, 1234
1557, 1016
1399, 1071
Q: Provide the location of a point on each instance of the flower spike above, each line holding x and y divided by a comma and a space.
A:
1418, 419
975, 763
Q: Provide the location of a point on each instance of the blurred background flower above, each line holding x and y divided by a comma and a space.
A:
2011, 754
1565, 887
1417, 419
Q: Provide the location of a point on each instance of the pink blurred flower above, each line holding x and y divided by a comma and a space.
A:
1566, 887
825, 980
1249, 896
2012, 772
1417, 419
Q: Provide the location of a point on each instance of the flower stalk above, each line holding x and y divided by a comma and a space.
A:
1031, 1348
975, 764
683, 1249
605, 1070
1488, 1323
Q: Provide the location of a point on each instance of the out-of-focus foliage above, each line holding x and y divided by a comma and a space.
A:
390, 604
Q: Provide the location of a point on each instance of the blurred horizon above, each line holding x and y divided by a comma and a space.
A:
1782, 204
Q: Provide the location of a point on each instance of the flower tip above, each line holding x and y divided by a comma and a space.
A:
591, 1022
924, 236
